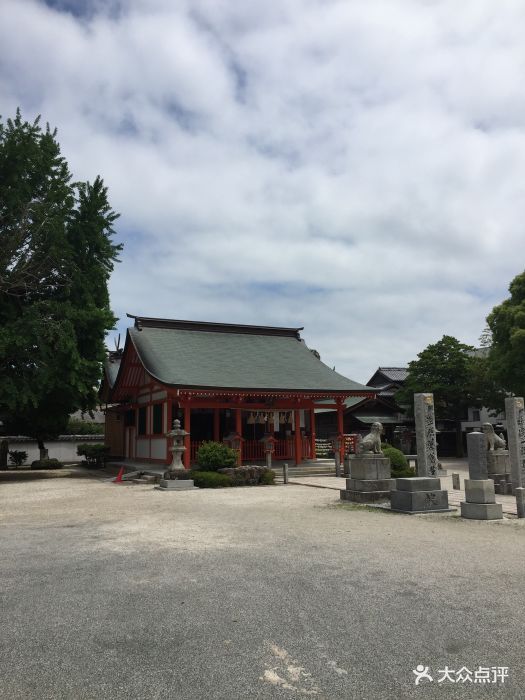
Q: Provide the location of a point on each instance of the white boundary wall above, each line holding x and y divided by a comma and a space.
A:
63, 449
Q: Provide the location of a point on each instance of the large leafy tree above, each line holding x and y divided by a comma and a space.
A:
450, 370
56, 257
506, 325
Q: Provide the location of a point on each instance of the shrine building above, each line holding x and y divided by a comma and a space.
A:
224, 382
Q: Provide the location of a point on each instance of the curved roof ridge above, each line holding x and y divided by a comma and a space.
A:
212, 326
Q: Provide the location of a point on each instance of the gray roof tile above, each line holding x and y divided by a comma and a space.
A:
257, 358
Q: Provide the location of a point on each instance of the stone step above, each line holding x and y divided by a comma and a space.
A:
294, 472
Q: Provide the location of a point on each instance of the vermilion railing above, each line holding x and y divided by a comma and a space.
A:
254, 449
194, 448
307, 448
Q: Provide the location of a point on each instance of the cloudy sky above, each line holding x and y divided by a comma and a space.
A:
356, 167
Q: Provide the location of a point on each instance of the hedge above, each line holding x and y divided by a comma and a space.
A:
209, 480
250, 476
51, 463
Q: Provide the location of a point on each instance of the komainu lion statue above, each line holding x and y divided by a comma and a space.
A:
494, 442
371, 443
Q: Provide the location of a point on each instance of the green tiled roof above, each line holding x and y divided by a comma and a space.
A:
190, 354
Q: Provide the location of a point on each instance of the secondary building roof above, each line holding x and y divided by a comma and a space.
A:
191, 354
384, 418
385, 375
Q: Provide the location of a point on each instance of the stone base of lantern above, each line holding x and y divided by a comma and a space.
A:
176, 485
419, 495
369, 480
498, 462
480, 501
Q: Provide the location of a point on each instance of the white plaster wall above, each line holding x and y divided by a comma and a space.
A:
158, 395
158, 448
63, 450
142, 448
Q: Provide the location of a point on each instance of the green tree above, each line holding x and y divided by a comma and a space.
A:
56, 257
506, 323
448, 369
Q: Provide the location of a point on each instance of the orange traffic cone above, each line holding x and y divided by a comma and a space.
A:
118, 479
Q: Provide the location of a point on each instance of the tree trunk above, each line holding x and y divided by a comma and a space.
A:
44, 454
4, 449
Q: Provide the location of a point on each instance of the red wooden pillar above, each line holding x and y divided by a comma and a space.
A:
168, 428
297, 422
216, 424
187, 439
238, 430
340, 427
312, 434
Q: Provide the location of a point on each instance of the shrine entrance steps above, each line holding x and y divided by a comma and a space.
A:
320, 467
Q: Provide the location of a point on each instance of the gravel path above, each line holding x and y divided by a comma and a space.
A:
124, 591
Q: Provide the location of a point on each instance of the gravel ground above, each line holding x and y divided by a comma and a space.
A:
123, 591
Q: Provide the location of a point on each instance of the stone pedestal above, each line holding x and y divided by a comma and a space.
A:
498, 469
369, 480
480, 501
498, 462
419, 495
176, 484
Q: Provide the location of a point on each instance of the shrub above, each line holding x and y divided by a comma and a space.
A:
249, 476
210, 480
268, 477
403, 473
46, 464
212, 456
84, 427
398, 462
94, 454
17, 457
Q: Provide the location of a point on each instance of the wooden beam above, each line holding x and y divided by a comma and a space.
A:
238, 429
216, 424
312, 434
340, 427
297, 436
187, 439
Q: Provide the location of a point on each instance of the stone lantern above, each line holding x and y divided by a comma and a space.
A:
234, 440
338, 442
175, 475
268, 442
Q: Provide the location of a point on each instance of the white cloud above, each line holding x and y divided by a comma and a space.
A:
356, 168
